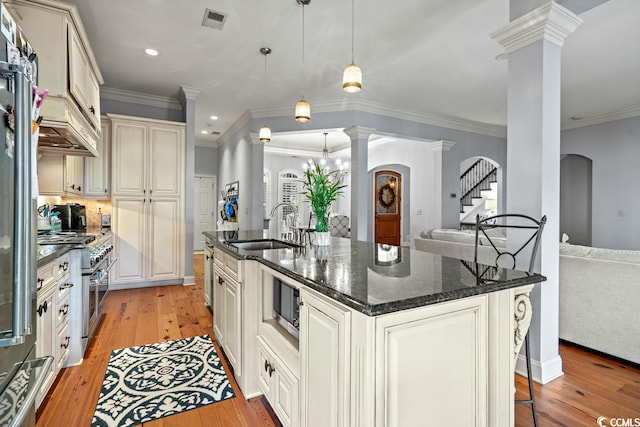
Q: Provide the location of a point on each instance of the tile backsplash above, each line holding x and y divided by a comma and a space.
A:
93, 207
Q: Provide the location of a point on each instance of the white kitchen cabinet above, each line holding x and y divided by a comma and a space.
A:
227, 308
147, 175
47, 336
73, 175
97, 170
148, 158
83, 83
208, 275
60, 175
148, 245
52, 313
324, 361
278, 384
67, 67
51, 175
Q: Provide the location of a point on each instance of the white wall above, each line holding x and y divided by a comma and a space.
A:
614, 148
419, 159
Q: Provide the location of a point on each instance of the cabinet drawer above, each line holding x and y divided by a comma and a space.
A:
46, 277
62, 312
64, 340
63, 286
231, 265
62, 266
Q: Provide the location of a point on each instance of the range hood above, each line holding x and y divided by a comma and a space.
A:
73, 136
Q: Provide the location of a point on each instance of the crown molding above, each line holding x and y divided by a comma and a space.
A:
550, 22
187, 93
602, 118
139, 98
242, 121
361, 105
441, 145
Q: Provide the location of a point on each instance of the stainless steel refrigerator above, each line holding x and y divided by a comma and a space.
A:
21, 374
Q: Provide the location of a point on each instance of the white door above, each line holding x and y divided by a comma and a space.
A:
204, 209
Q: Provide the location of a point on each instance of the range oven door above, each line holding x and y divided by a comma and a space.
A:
97, 288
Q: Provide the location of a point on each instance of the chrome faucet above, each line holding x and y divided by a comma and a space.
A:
295, 214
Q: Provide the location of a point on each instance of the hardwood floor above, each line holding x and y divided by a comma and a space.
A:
592, 386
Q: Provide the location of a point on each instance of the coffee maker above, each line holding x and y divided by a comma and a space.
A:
72, 215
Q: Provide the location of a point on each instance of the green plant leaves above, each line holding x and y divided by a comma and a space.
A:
321, 188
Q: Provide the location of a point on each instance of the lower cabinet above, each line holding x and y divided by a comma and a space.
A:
324, 361
208, 276
278, 384
52, 312
227, 312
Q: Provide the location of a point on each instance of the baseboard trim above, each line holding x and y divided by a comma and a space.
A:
189, 280
543, 372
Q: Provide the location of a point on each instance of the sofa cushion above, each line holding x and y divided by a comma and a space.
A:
451, 235
620, 255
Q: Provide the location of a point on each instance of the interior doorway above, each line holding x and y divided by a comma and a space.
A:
576, 204
204, 209
387, 202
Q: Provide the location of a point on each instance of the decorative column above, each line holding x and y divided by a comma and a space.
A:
361, 187
254, 198
446, 181
533, 43
188, 100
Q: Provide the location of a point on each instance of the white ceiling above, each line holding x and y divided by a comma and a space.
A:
432, 57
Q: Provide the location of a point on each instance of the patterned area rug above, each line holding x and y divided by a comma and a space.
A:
157, 380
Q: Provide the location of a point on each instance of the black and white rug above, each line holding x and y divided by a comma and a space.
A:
153, 381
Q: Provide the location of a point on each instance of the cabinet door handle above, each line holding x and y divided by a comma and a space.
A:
66, 343
40, 284
220, 280
207, 257
266, 365
79, 188
93, 110
105, 191
65, 286
271, 370
41, 309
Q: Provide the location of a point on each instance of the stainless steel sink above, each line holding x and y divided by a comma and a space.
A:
260, 245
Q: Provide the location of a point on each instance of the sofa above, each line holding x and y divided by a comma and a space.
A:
599, 301
459, 244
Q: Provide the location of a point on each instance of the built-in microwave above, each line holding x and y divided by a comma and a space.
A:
286, 306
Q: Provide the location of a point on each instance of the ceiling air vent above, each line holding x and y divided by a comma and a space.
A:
215, 133
213, 19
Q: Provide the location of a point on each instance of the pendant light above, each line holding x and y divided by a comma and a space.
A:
265, 132
325, 153
303, 109
352, 77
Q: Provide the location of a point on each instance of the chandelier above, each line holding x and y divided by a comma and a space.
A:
341, 168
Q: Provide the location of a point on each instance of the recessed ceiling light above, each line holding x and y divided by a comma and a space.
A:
214, 117
204, 132
151, 52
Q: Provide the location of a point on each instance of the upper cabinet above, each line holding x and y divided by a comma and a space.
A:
97, 171
148, 157
67, 67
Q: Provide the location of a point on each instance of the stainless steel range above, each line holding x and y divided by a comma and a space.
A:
96, 260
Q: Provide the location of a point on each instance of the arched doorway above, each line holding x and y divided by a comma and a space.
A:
387, 202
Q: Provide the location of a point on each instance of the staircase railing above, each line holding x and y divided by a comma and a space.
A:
474, 180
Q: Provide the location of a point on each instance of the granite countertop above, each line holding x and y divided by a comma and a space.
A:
377, 279
48, 253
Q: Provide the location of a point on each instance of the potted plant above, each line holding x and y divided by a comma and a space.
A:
321, 188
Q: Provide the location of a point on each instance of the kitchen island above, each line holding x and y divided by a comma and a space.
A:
387, 335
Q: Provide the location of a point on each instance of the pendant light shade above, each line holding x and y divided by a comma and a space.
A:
265, 131
352, 79
352, 76
265, 134
303, 111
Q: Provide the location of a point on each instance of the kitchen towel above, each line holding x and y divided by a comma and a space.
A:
153, 381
